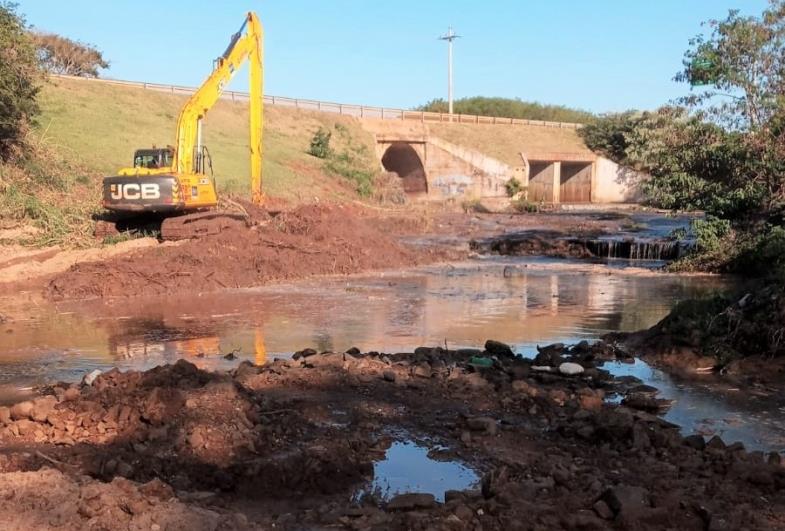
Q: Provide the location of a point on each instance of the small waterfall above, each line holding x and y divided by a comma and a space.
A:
632, 249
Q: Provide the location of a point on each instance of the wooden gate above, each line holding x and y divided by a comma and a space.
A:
575, 184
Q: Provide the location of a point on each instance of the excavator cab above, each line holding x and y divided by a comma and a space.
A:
154, 158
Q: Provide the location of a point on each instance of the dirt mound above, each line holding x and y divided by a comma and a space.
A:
309, 240
290, 444
49, 499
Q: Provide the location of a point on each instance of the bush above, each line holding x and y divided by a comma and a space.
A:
474, 205
524, 205
350, 160
19, 79
710, 232
320, 144
513, 187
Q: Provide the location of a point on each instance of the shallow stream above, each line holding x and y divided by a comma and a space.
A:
524, 302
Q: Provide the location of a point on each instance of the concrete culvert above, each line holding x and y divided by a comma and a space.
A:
401, 158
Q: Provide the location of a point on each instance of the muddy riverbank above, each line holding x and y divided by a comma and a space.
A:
297, 443
291, 243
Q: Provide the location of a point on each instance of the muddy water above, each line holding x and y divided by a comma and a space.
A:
522, 302
463, 305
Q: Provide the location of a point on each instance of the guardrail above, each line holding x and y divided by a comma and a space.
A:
358, 111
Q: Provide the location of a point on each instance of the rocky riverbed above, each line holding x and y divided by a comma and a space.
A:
556, 442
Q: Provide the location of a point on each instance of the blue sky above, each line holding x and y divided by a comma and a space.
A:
600, 55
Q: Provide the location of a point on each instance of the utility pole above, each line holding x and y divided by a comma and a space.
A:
449, 37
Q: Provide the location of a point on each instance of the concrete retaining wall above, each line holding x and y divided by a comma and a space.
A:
616, 184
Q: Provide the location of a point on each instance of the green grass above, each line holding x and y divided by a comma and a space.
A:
101, 125
506, 142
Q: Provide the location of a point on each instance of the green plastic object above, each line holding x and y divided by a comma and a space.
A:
481, 362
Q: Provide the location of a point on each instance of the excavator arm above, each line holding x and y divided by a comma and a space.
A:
246, 44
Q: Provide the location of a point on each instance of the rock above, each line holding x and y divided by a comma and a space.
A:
423, 370
424, 351
474, 380
25, 426
695, 441
497, 348
644, 389
541, 368
354, 351
389, 376
72, 393
626, 500
590, 402
91, 376
738, 446
464, 512
466, 437
22, 410
5, 416
602, 510
42, 407
559, 396
410, 501
524, 387
124, 469
304, 354
450, 495
486, 424
325, 359
570, 369
231, 356
195, 440
645, 402
581, 347
553, 347
716, 443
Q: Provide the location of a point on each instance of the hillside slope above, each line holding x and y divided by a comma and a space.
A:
100, 125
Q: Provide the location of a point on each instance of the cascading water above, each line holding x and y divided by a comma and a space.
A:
634, 249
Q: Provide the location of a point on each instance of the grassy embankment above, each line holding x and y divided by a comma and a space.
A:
87, 130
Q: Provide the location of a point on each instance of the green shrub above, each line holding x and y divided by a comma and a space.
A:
320, 144
524, 205
513, 187
710, 232
19, 81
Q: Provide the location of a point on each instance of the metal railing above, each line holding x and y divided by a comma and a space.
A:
357, 111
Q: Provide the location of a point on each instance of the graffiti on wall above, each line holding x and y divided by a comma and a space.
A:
452, 185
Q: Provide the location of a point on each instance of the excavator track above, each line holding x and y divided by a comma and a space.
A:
201, 224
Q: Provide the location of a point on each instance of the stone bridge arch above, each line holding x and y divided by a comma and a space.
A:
402, 158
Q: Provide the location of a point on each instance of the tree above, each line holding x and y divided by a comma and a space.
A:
739, 68
61, 55
19, 78
509, 108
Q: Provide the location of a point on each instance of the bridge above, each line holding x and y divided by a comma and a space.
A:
432, 167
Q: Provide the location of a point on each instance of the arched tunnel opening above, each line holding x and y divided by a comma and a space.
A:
401, 158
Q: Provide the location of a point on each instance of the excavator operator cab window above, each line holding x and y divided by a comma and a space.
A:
153, 159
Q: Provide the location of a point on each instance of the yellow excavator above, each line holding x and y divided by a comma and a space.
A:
177, 180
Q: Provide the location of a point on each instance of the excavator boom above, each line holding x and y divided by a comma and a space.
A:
246, 44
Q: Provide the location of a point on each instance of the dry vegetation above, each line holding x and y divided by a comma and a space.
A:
505, 143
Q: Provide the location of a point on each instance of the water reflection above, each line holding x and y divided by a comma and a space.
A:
714, 409
463, 305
